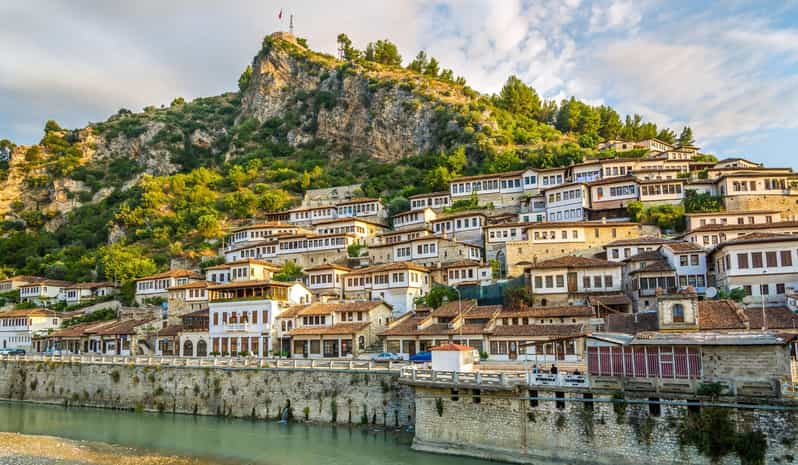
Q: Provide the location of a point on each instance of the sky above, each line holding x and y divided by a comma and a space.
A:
727, 69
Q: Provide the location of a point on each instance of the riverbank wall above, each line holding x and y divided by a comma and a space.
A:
330, 396
588, 428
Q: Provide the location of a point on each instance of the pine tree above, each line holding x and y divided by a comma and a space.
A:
686, 137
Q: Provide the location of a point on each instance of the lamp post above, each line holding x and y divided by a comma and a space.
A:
762, 298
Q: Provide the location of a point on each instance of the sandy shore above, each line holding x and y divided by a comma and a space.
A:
20, 449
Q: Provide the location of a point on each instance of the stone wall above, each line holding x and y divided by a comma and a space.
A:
504, 426
329, 396
786, 204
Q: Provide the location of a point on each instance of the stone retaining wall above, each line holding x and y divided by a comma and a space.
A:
333, 396
503, 426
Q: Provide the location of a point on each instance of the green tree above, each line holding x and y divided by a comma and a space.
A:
244, 79
179, 101
437, 179
701, 203
51, 126
398, 205
274, 200
383, 52
647, 131
457, 160
419, 63
289, 272
686, 137
432, 68
437, 295
517, 97
610, 125
667, 135
120, 263
447, 75
345, 45
208, 226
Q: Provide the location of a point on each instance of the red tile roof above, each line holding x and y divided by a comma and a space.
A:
338, 328
452, 348
573, 261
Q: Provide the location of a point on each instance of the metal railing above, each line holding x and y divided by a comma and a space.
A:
214, 362
427, 376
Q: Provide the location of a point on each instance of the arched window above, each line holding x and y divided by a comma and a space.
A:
678, 313
188, 349
202, 348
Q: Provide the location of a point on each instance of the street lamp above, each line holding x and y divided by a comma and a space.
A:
762, 298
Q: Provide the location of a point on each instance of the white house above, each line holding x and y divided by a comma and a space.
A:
397, 284
434, 200
571, 279
18, 327
82, 292
44, 292
762, 264
567, 202
242, 314
690, 263
157, 285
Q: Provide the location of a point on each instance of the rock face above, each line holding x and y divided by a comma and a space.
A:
369, 111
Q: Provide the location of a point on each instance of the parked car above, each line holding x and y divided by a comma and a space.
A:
12, 352
386, 357
421, 357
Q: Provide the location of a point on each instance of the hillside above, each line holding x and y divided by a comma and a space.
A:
131, 194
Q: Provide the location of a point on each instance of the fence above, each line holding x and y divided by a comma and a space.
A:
645, 362
217, 362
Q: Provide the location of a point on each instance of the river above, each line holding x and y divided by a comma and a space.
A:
204, 439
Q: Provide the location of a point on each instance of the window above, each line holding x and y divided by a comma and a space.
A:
678, 313
771, 260
756, 259
586, 282
608, 280
742, 261
549, 282
560, 280
596, 281
780, 288
538, 282
747, 290
682, 260
694, 260
764, 289
786, 258
615, 253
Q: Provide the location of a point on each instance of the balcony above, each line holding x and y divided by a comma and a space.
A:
236, 327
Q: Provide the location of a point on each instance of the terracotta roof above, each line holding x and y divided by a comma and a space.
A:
642, 240
93, 285
462, 264
171, 330
551, 331
452, 348
683, 247
268, 224
329, 308
453, 308
403, 231
122, 327
404, 327
737, 227
720, 314
655, 266
613, 180
759, 238
338, 328
448, 216
550, 312
27, 312
573, 261
430, 194
777, 318
346, 220
246, 261
172, 274
631, 323
587, 224
328, 266
611, 299
192, 285
26, 278
506, 174
252, 283
390, 267
49, 282
358, 200
80, 329
482, 311
648, 255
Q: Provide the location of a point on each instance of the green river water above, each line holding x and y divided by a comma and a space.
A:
224, 440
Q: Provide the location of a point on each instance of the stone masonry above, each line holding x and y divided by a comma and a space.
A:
340, 396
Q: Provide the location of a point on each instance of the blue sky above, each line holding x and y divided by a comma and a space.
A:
729, 70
